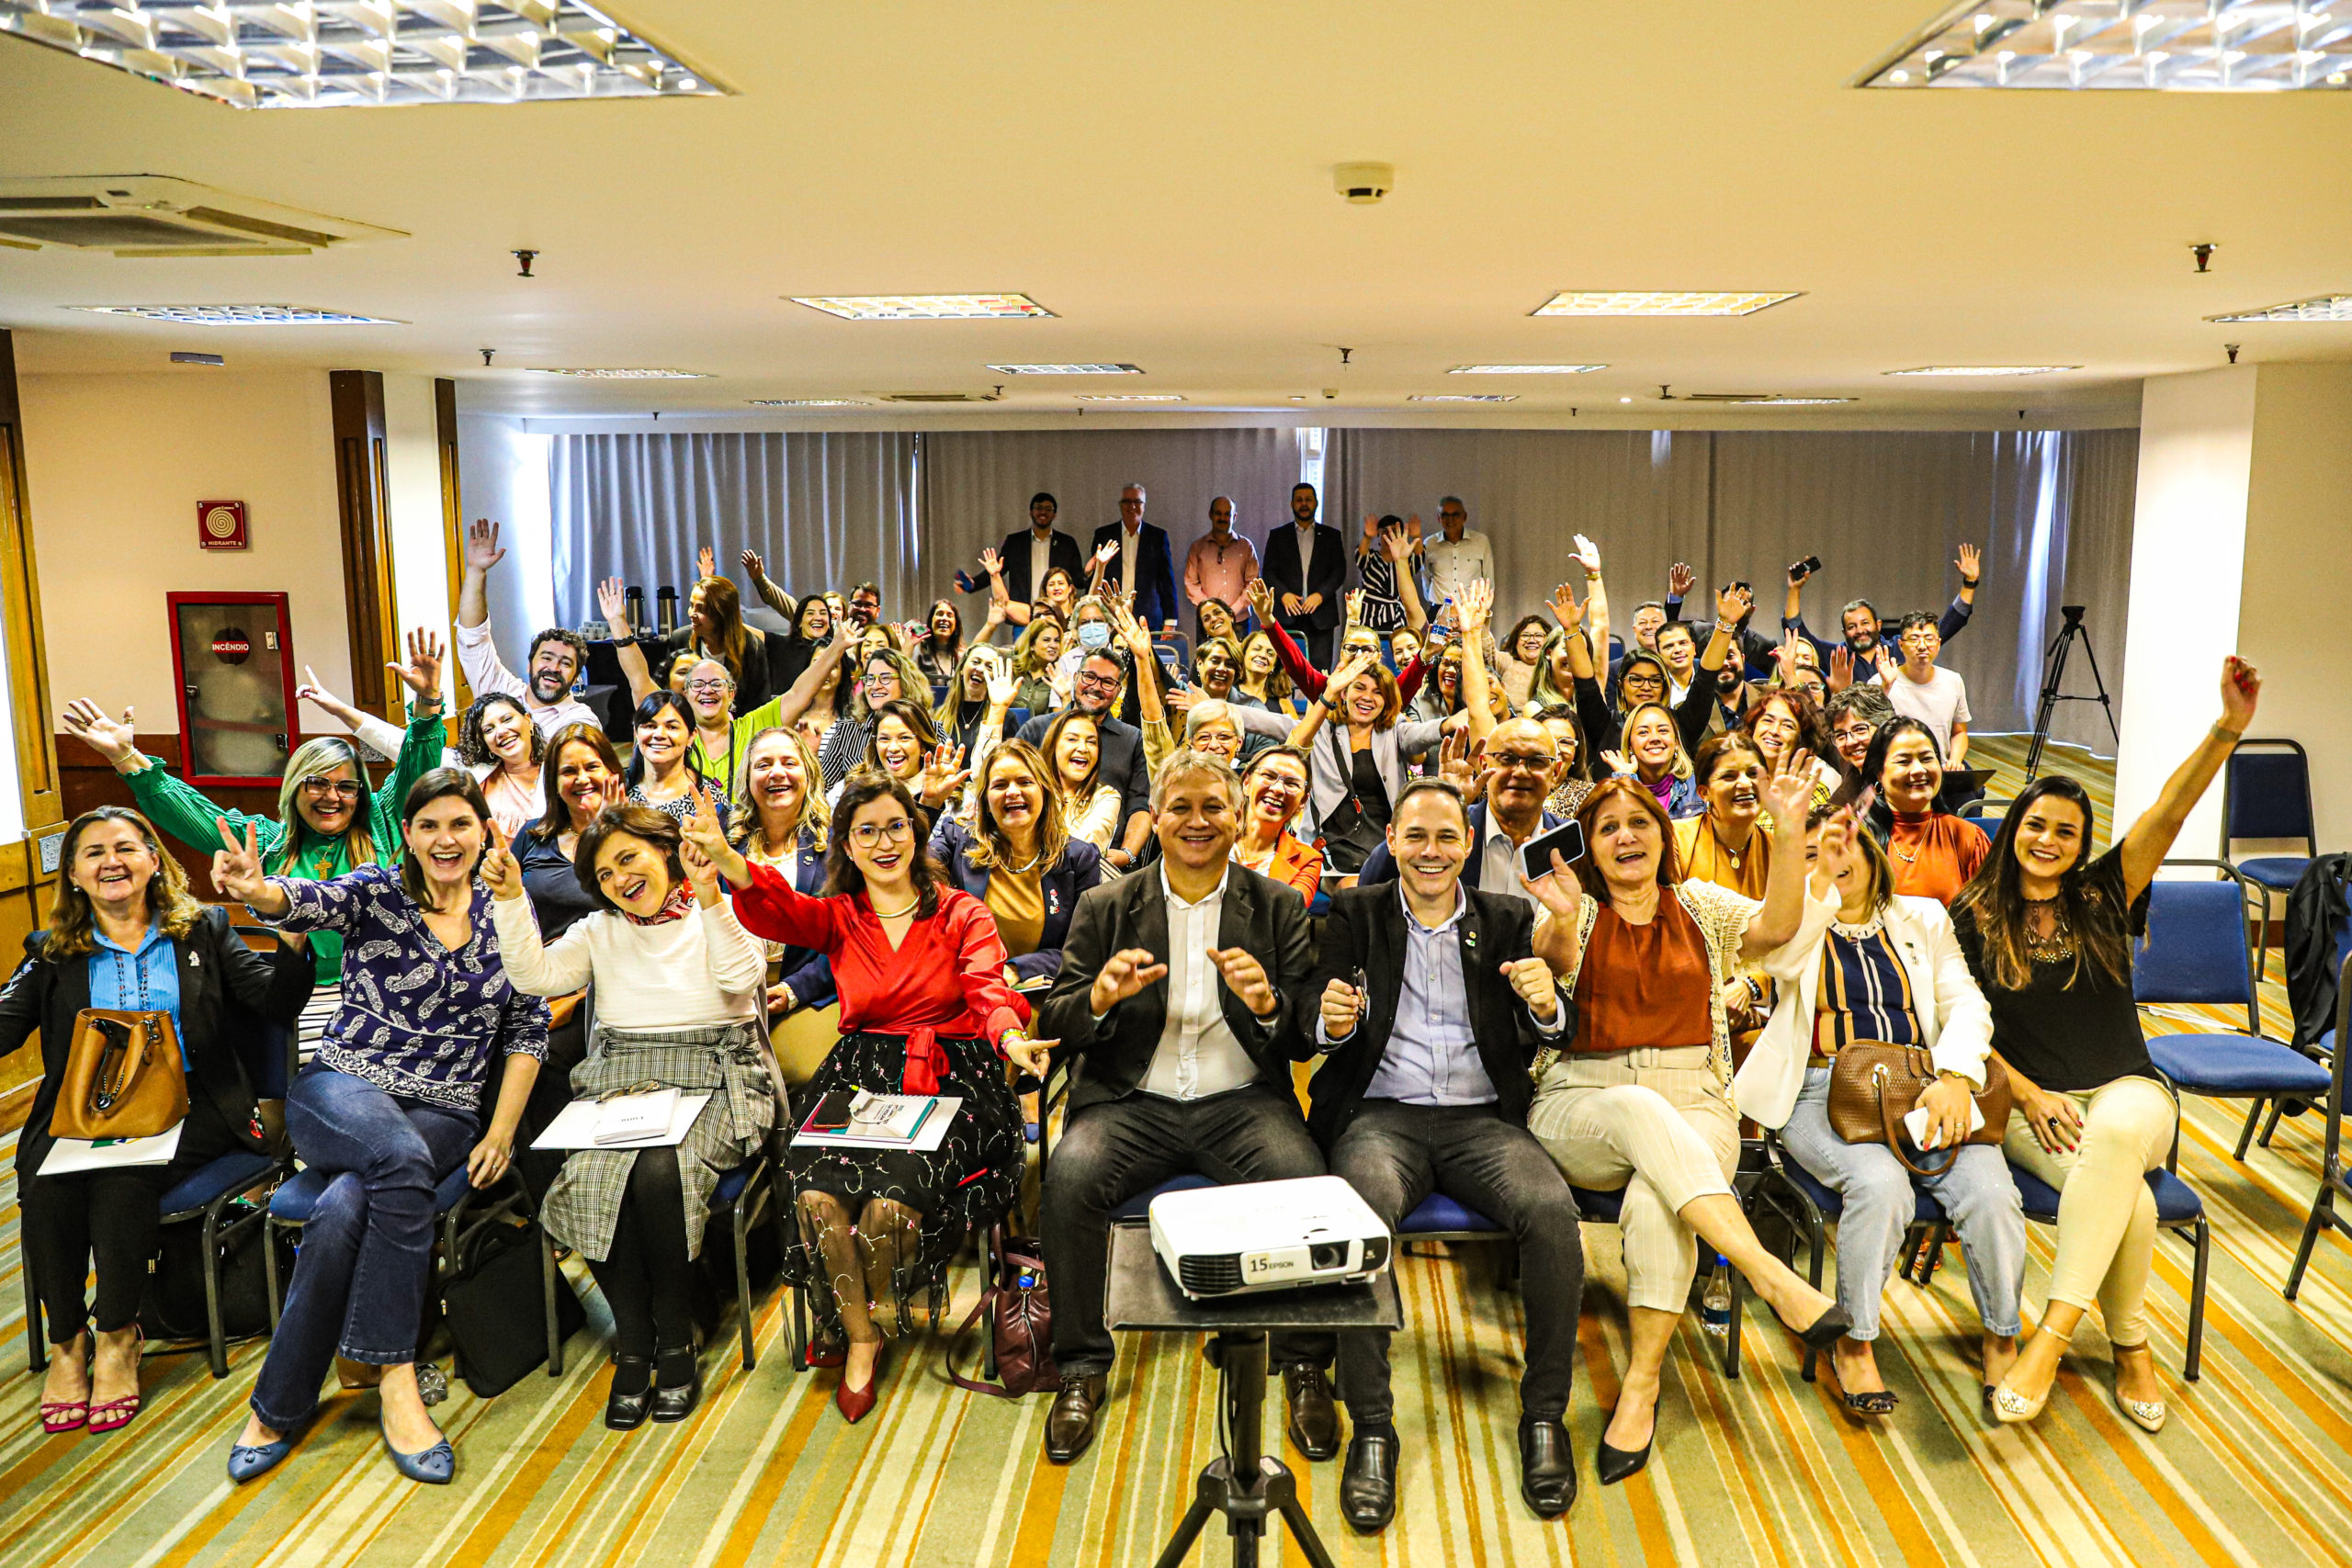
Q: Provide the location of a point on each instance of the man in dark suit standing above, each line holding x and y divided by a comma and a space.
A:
1179, 996
1431, 1006
1027, 554
1306, 567
1143, 562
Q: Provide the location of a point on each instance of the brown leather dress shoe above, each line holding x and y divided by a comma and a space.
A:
1313, 1419
1069, 1426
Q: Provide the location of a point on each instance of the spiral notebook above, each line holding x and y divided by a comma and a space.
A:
856, 1119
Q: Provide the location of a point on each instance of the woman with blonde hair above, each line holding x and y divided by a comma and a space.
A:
1018, 858
889, 676
126, 933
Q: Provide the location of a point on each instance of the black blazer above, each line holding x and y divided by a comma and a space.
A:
1114, 1054
1366, 930
1061, 550
1062, 884
1281, 572
1122, 764
1154, 575
228, 992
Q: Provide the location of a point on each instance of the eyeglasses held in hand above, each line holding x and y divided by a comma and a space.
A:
866, 835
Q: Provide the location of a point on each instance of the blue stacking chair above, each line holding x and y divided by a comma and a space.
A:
2197, 953
738, 1199
2266, 793
2334, 1177
1809, 1206
2178, 1209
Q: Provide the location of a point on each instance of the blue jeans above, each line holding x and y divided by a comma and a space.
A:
359, 1285
1975, 1193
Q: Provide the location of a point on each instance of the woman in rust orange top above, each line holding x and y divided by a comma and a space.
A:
1642, 1099
1934, 853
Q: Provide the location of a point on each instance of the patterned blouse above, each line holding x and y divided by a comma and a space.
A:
417, 1018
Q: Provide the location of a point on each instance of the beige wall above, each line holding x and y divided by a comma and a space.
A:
115, 466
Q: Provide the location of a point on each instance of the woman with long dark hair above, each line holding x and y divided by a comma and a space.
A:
663, 773
925, 1010
2047, 928
1934, 853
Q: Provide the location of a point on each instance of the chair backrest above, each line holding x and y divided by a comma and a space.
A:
2266, 793
2197, 950
277, 1056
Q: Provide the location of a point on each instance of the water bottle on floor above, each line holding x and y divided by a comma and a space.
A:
1715, 1307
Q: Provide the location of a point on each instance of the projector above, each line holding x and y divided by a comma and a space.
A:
1267, 1236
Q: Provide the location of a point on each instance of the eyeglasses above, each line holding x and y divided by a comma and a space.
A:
1283, 784
1648, 683
318, 789
707, 685
1529, 762
866, 835
1094, 683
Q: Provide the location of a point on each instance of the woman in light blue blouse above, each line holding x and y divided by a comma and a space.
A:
392, 1104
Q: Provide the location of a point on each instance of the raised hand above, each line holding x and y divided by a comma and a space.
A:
1787, 797
943, 775
992, 563
612, 598
88, 722
1342, 1005
1125, 973
703, 875
421, 673
1531, 978
1785, 655
1260, 598
707, 561
482, 552
2241, 689
1969, 562
1830, 852
1841, 668
1564, 608
1621, 763
753, 568
1477, 606
1105, 552
236, 865
1246, 978
703, 832
1000, 687
1354, 606
1587, 554
500, 873
1884, 657
1680, 579
1345, 675
1413, 531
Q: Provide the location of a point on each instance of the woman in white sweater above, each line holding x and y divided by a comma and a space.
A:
677, 1005
1867, 965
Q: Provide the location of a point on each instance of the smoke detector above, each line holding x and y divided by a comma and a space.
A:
1364, 183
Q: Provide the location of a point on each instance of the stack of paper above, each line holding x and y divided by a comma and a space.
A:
583, 1125
633, 1118
67, 1156
856, 1119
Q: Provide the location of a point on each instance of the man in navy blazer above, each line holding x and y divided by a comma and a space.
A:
1022, 565
1525, 763
1144, 561
1310, 584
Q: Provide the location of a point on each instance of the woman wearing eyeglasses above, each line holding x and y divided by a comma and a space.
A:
1273, 789
925, 1010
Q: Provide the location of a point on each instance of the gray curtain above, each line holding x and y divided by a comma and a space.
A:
1885, 511
821, 509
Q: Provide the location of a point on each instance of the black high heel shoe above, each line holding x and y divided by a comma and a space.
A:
1613, 1465
625, 1411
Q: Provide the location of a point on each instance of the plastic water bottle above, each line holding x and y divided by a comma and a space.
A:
1715, 1307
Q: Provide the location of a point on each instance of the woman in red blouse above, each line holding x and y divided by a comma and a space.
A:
925, 1010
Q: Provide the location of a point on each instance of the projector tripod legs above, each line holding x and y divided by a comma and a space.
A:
1244, 1504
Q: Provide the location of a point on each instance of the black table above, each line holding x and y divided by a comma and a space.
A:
1142, 1297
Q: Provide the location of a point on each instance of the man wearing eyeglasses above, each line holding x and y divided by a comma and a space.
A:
1094, 689
1143, 562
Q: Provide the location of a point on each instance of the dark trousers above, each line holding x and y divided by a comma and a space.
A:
1395, 1156
646, 1275
359, 1285
1316, 644
1111, 1152
108, 1218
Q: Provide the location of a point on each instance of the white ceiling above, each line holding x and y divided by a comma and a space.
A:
1160, 176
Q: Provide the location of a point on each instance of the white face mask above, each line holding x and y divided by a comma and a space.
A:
1094, 634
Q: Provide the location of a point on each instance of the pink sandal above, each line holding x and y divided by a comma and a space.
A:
108, 1414
63, 1415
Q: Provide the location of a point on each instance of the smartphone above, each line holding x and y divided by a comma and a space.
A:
1806, 567
1535, 855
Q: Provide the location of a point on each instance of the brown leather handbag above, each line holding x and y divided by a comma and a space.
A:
123, 1077
1873, 1086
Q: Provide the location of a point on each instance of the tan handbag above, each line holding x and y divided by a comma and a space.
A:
1872, 1086
123, 1077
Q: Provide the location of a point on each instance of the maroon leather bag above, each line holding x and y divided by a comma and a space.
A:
1019, 1324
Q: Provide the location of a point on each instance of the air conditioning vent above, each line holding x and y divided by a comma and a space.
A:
937, 398
1728, 397
153, 215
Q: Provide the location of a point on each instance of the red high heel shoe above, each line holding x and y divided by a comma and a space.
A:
111, 1415
854, 1404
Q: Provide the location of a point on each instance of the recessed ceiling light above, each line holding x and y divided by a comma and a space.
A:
240, 315
1640, 302
606, 373
388, 51
1985, 370
2325, 308
1523, 369
1129, 396
1068, 369
1462, 398
2212, 46
922, 306
1790, 402
805, 402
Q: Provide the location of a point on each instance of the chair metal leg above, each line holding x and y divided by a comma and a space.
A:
1731, 1335
2278, 1109
217, 1341
269, 1265
2196, 1356
743, 1282
547, 1289
1929, 1257
1818, 1237
800, 1329
2245, 1133
2323, 1212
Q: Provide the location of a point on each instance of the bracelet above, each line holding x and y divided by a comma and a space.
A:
2223, 732
629, 641
1970, 583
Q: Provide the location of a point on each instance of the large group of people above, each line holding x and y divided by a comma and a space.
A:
1078, 838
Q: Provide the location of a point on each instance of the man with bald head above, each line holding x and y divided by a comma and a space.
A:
1522, 767
1221, 565
1140, 562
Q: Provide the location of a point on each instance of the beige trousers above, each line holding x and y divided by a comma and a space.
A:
1656, 1124
2107, 1216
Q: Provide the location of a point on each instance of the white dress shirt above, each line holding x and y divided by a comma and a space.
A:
1453, 563
1305, 557
1198, 1056
1498, 865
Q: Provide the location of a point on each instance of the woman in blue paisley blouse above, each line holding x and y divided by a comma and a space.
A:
392, 1104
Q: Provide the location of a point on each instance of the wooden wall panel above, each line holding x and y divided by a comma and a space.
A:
24, 664
365, 505
453, 517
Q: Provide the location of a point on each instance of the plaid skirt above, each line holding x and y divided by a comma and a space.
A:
731, 1061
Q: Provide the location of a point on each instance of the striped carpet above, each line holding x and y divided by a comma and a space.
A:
2256, 1466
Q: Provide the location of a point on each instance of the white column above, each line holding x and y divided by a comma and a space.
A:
413, 481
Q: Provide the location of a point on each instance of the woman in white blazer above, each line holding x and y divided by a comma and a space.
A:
1867, 964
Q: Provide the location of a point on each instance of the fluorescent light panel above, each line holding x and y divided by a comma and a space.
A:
2325, 308
805, 402
1791, 403
1129, 396
383, 52
1068, 369
1461, 397
2165, 46
242, 315
1523, 369
1984, 370
1659, 303
624, 373
922, 306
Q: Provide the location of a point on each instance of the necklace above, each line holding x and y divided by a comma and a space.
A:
2058, 942
894, 914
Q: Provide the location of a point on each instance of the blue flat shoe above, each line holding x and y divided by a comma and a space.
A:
247, 1461
433, 1467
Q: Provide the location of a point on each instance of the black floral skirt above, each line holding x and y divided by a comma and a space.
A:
963, 1186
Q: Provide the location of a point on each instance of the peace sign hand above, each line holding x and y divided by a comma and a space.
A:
236, 865
703, 832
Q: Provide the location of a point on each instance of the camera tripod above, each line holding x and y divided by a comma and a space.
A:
2053, 666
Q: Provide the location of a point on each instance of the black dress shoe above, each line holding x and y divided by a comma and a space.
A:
677, 1387
625, 1411
1368, 1485
1548, 1467
1313, 1419
1070, 1425
1613, 1465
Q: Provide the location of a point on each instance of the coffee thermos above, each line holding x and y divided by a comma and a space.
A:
665, 602
637, 609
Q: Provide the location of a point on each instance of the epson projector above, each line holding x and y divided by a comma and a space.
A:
1267, 1236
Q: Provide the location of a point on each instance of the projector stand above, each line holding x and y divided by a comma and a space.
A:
2054, 668
1242, 1357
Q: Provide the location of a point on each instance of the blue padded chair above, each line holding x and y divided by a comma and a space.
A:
738, 1199
1809, 1206
2197, 954
2178, 1209
2266, 793
2334, 1177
